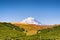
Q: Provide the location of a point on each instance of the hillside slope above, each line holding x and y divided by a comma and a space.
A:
12, 32
9, 31
53, 33
44, 32
32, 29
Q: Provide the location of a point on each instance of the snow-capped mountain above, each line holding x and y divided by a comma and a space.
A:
31, 20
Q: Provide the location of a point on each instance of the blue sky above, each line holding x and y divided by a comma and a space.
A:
45, 11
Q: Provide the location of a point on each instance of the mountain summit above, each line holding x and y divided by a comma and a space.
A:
31, 20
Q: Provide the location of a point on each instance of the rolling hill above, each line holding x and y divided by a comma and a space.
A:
32, 29
10, 31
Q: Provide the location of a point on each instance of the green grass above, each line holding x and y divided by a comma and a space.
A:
53, 33
11, 32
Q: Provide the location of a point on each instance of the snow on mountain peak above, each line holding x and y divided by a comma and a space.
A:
30, 20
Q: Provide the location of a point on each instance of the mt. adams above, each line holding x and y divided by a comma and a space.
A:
30, 20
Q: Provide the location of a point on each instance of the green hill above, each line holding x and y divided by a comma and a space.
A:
51, 34
12, 32
9, 31
47, 34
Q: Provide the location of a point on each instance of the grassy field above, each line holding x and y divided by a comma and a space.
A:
12, 32
53, 33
